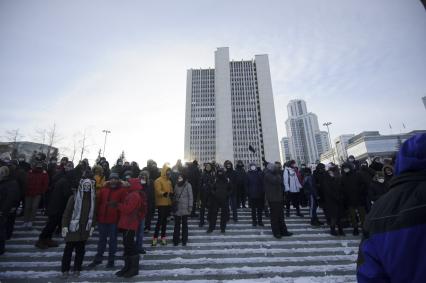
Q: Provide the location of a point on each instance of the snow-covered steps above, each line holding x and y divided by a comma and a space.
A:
243, 254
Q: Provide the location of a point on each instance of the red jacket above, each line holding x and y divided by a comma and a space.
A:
107, 204
38, 182
133, 208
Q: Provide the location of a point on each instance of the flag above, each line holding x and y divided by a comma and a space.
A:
252, 149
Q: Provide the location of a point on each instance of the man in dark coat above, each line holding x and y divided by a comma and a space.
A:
355, 195
207, 183
9, 197
240, 182
60, 194
394, 243
232, 178
274, 196
219, 196
194, 178
333, 199
256, 194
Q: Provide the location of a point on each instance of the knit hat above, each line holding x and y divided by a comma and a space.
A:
412, 155
113, 175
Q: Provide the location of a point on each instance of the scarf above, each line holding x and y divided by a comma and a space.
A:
86, 185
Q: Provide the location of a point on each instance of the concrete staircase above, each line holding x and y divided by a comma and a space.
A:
243, 254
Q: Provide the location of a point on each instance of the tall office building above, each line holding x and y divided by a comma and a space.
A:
285, 150
229, 108
306, 141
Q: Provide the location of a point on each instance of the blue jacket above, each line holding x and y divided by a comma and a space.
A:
393, 248
254, 185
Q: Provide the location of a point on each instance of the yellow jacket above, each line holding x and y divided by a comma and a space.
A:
163, 185
99, 183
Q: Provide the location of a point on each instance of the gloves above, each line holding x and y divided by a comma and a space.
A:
91, 231
165, 194
64, 232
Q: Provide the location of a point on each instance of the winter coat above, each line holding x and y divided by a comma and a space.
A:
376, 190
231, 175
194, 176
272, 186
183, 199
163, 185
9, 195
333, 196
107, 203
60, 194
240, 179
81, 234
37, 182
394, 244
254, 185
355, 192
133, 209
309, 186
207, 183
291, 181
99, 183
221, 191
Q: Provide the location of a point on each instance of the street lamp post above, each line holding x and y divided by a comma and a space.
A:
106, 133
327, 124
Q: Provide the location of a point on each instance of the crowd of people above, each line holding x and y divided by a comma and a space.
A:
124, 199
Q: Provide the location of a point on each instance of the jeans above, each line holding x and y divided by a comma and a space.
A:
293, 198
139, 235
106, 231
176, 233
256, 206
163, 213
79, 255
31, 206
313, 205
234, 205
129, 243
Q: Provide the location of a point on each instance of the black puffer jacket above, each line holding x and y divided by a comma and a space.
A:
9, 195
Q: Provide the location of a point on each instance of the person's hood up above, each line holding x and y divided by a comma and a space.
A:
271, 167
412, 155
164, 170
226, 163
320, 167
346, 165
98, 170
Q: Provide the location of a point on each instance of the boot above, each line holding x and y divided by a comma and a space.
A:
76, 273
355, 232
94, 263
110, 263
254, 223
51, 243
314, 222
333, 231
209, 230
65, 274
260, 223
133, 267
341, 232
154, 242
286, 234
41, 244
163, 241
125, 268
201, 224
142, 251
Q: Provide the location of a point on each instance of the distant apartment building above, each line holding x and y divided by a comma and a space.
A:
306, 141
285, 150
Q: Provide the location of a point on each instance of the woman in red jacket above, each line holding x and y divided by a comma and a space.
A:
37, 185
132, 211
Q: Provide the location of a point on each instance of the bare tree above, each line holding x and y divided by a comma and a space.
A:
83, 145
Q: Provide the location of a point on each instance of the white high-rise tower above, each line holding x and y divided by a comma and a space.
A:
230, 108
306, 141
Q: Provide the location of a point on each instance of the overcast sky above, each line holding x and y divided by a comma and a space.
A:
121, 65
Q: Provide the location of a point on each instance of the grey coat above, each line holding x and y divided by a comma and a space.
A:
183, 199
272, 186
82, 234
